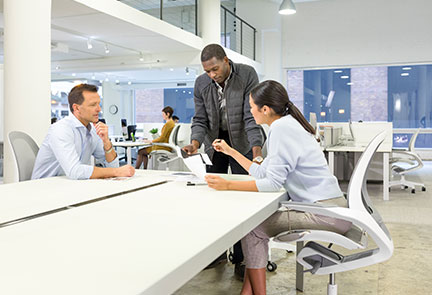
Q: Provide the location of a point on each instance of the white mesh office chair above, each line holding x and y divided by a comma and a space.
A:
161, 159
25, 151
366, 221
412, 162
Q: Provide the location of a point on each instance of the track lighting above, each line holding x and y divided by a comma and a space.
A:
89, 44
106, 49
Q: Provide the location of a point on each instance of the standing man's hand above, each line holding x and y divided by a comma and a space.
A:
192, 148
256, 151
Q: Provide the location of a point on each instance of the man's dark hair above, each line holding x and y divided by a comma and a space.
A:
76, 94
175, 118
168, 110
212, 50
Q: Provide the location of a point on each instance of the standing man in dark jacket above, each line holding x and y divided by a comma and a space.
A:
222, 110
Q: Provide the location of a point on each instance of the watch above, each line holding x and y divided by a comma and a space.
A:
258, 159
113, 109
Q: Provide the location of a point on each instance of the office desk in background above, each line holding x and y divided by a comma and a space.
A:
385, 149
129, 145
150, 241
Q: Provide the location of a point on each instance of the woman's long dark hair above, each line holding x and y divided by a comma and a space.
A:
274, 95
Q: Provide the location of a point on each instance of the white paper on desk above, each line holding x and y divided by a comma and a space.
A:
196, 163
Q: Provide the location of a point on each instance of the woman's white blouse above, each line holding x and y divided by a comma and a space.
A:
295, 161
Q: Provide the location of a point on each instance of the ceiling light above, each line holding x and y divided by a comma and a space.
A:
287, 7
107, 49
341, 111
106, 79
350, 83
406, 68
404, 74
89, 44
141, 57
337, 71
73, 74
322, 114
100, 81
344, 77
93, 77
171, 69
129, 83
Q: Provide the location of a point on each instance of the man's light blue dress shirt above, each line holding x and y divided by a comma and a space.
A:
67, 150
296, 162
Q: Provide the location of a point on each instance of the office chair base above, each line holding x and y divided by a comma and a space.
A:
404, 184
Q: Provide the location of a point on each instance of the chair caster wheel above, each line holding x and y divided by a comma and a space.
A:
405, 187
271, 266
423, 189
413, 191
231, 257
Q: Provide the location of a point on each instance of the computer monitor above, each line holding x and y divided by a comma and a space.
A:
131, 129
123, 122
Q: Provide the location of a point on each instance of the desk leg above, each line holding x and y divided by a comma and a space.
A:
299, 270
331, 162
386, 176
129, 155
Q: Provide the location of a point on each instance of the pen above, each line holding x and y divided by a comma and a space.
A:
193, 184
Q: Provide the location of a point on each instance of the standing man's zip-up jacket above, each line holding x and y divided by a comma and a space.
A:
244, 133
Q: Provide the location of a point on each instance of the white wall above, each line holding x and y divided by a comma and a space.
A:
335, 33
123, 99
263, 15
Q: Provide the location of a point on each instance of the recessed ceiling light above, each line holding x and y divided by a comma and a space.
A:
73, 74
129, 83
344, 77
404, 74
337, 71
406, 68
350, 83
171, 69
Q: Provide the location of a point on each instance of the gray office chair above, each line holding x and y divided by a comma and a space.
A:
409, 157
365, 219
25, 151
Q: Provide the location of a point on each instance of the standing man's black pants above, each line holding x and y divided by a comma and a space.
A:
220, 165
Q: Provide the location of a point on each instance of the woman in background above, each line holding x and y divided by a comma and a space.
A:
163, 138
295, 162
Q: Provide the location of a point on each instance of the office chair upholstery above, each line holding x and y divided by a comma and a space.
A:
410, 157
25, 151
366, 221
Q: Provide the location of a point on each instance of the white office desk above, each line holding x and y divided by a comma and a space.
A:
18, 200
129, 145
384, 148
147, 242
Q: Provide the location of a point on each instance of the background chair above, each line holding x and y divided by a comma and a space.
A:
366, 221
412, 162
163, 159
25, 151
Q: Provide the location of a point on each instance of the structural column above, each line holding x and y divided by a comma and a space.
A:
27, 73
209, 21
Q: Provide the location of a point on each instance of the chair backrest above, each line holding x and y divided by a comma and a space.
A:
357, 197
411, 145
25, 151
173, 136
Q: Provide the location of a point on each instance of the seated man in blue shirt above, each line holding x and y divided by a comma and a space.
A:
70, 143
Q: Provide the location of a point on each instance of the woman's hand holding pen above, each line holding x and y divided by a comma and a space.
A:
221, 146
